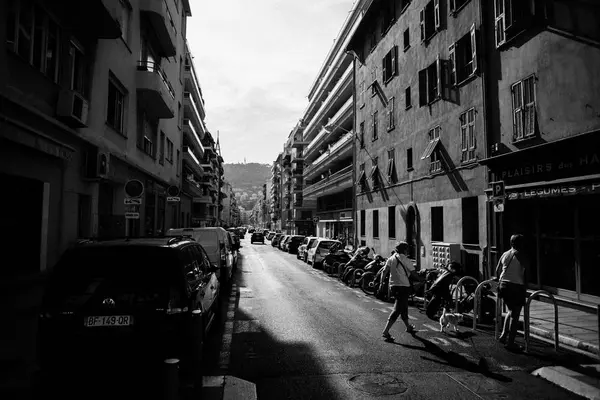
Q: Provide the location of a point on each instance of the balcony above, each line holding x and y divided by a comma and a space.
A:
298, 188
337, 182
339, 150
192, 111
155, 93
297, 171
208, 167
160, 19
190, 159
97, 18
298, 142
191, 186
341, 116
192, 136
193, 86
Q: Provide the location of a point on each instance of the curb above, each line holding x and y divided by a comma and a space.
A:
569, 341
572, 381
227, 387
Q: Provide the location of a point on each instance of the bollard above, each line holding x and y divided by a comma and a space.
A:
197, 351
598, 316
171, 379
526, 317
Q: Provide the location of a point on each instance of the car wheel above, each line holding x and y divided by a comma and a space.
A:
306, 259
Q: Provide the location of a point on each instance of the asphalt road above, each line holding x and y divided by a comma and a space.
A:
300, 334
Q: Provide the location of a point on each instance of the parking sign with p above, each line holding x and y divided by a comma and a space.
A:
498, 190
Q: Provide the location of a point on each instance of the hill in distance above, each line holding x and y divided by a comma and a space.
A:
248, 178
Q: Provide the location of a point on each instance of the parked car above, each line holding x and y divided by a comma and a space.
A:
126, 304
217, 243
265, 232
318, 251
257, 237
301, 254
235, 238
270, 235
276, 239
283, 241
293, 244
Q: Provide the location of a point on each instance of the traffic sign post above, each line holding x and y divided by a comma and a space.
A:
316, 220
498, 205
173, 199
498, 190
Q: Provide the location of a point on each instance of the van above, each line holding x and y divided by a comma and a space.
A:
218, 245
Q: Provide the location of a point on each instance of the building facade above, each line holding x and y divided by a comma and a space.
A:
275, 199
544, 138
420, 125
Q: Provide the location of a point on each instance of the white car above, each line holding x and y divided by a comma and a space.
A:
318, 250
302, 252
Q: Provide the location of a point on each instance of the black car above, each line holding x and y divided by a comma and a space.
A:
275, 240
119, 309
257, 237
293, 244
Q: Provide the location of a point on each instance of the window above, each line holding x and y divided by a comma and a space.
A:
115, 110
456, 5
470, 220
429, 20
392, 222
406, 39
407, 99
389, 15
363, 222
391, 169
391, 111
467, 135
179, 115
33, 35
430, 83
78, 68
375, 178
169, 155
432, 151
437, 224
389, 64
361, 131
161, 151
373, 79
576, 17
361, 93
375, 223
374, 126
147, 134
178, 166
523, 101
124, 19
372, 41
463, 57
409, 159
362, 179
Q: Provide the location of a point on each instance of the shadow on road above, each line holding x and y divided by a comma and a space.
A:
454, 359
280, 369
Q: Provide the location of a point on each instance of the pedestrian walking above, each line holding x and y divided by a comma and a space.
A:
510, 272
399, 266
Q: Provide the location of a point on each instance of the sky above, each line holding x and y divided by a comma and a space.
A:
256, 61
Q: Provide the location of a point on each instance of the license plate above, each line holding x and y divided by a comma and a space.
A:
108, 320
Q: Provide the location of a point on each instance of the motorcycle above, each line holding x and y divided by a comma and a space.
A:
370, 280
439, 294
337, 255
358, 261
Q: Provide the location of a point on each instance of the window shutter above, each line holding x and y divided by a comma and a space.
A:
509, 13
452, 65
384, 69
446, 86
394, 60
436, 13
452, 6
517, 94
422, 87
474, 47
499, 21
439, 76
422, 24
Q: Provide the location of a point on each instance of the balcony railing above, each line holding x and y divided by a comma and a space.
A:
156, 93
189, 127
191, 103
347, 138
333, 180
323, 133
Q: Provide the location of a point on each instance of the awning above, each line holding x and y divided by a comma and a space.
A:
430, 148
559, 188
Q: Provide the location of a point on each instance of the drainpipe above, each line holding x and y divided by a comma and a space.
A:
354, 206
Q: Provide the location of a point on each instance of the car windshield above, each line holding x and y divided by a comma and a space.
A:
208, 239
81, 270
326, 244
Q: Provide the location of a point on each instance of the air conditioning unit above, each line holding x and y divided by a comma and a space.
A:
97, 165
73, 108
444, 253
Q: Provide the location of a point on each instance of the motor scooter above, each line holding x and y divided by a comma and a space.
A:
337, 255
438, 294
358, 261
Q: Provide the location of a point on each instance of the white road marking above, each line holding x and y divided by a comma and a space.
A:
469, 357
439, 341
384, 310
460, 342
435, 329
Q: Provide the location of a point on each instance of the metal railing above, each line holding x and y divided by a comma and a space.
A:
494, 288
151, 66
459, 286
526, 327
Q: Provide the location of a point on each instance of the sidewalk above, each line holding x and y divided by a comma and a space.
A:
576, 329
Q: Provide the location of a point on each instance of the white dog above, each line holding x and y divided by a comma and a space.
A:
450, 319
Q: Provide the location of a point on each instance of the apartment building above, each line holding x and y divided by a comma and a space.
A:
92, 100
275, 199
420, 120
543, 124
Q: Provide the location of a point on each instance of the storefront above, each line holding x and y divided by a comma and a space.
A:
552, 196
336, 225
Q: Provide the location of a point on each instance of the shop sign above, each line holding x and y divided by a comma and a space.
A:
132, 215
555, 191
132, 200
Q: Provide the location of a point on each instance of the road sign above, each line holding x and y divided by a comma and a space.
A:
173, 191
498, 190
173, 198
315, 219
498, 205
134, 188
133, 201
132, 215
